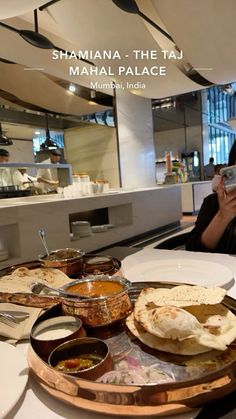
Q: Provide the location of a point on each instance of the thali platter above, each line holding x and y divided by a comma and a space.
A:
182, 271
191, 388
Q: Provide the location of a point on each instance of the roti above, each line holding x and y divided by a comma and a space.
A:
169, 322
179, 296
22, 279
219, 325
185, 347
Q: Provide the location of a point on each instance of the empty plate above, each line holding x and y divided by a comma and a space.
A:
189, 271
14, 376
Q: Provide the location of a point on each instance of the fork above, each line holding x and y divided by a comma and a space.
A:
13, 318
8, 319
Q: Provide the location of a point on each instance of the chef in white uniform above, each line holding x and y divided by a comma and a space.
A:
22, 179
5, 172
48, 178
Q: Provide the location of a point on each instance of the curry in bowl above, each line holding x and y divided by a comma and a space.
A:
63, 254
95, 289
68, 260
103, 301
86, 357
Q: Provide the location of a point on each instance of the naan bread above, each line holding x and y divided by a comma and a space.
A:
22, 279
184, 320
213, 326
169, 322
179, 296
185, 347
219, 325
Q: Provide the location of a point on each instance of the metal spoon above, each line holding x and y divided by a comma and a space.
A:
42, 237
37, 287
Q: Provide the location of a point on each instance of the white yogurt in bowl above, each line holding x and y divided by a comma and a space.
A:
48, 334
53, 332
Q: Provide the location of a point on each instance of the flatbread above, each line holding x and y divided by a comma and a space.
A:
169, 322
179, 296
22, 279
219, 325
185, 347
213, 326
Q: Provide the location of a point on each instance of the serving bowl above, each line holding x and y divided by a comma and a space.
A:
107, 300
68, 260
50, 333
88, 358
98, 265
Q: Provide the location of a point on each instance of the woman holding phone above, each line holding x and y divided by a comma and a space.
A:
215, 228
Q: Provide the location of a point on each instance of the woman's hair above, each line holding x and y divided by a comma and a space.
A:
217, 168
232, 155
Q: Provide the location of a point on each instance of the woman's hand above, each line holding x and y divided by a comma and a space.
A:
227, 203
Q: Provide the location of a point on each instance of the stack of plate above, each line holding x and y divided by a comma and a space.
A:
3, 254
81, 228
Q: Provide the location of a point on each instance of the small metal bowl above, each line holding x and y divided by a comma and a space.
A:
98, 265
44, 336
84, 346
70, 266
101, 310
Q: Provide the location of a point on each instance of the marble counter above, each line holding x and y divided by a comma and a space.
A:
132, 212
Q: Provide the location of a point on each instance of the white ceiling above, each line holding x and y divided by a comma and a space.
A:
21, 131
204, 30
12, 8
36, 88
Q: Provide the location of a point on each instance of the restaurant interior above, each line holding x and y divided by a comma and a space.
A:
117, 209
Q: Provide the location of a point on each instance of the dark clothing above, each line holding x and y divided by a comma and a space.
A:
232, 155
208, 210
209, 171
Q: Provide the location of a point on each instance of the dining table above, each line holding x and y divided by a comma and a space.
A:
37, 403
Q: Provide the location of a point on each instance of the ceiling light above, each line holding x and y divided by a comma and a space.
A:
37, 132
228, 88
72, 88
93, 94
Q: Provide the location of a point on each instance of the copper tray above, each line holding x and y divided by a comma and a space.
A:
138, 400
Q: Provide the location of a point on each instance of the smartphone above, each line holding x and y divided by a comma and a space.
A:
229, 177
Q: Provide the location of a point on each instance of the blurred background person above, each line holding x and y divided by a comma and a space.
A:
21, 178
209, 169
5, 172
48, 178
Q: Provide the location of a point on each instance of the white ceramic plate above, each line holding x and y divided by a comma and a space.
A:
14, 377
190, 271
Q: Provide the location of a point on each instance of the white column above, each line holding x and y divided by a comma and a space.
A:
135, 139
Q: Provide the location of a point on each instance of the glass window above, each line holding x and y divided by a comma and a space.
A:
221, 107
56, 136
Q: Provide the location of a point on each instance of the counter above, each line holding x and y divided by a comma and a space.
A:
192, 195
133, 213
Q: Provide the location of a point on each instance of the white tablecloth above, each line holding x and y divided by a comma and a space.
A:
37, 404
